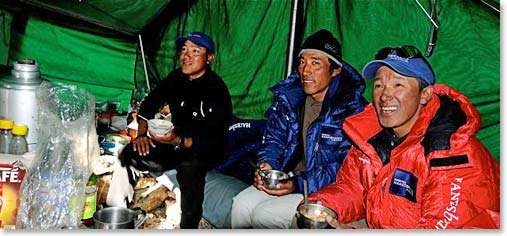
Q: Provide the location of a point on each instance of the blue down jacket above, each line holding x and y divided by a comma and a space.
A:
327, 145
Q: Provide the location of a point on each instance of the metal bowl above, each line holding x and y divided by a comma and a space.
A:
313, 216
119, 218
272, 177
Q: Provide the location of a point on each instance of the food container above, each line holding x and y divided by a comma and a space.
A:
313, 216
119, 218
12, 174
159, 127
272, 177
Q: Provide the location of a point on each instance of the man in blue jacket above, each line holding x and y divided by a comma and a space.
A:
303, 134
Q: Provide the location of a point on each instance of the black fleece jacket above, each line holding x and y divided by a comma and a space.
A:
200, 108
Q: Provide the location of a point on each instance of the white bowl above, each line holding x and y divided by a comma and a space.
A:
159, 127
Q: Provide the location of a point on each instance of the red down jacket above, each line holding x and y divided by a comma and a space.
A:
437, 178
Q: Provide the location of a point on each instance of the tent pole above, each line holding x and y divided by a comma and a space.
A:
490, 5
428, 15
144, 63
292, 36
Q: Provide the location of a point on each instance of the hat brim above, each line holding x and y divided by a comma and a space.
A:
196, 40
181, 40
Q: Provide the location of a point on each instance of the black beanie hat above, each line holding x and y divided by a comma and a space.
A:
323, 41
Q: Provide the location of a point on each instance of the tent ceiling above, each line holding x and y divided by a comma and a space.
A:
128, 17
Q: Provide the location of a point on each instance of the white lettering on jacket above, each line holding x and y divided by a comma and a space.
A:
332, 138
239, 125
450, 210
364, 160
403, 184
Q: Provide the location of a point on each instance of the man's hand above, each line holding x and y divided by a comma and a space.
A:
333, 222
142, 145
258, 183
168, 138
281, 189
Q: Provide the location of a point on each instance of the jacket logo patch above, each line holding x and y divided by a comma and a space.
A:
331, 135
449, 161
404, 184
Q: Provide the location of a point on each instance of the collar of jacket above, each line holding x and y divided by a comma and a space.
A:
362, 126
207, 74
339, 93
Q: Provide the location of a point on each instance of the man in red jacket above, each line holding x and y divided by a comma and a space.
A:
415, 162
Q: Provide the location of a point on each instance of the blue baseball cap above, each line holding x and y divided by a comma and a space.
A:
416, 67
198, 38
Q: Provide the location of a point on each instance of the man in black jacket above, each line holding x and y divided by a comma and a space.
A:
201, 110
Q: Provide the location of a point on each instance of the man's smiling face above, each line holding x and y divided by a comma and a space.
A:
315, 76
397, 100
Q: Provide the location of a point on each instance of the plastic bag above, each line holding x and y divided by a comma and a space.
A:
52, 193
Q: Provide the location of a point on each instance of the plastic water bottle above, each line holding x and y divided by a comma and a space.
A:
5, 134
18, 144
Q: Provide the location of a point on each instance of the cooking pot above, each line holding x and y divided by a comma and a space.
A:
17, 97
119, 218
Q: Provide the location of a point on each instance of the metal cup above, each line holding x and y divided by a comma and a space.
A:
272, 177
312, 216
118, 218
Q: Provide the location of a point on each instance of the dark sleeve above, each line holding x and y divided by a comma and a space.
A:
157, 97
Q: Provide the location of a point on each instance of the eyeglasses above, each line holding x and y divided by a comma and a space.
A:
407, 51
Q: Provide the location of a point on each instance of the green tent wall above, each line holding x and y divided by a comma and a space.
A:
252, 38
